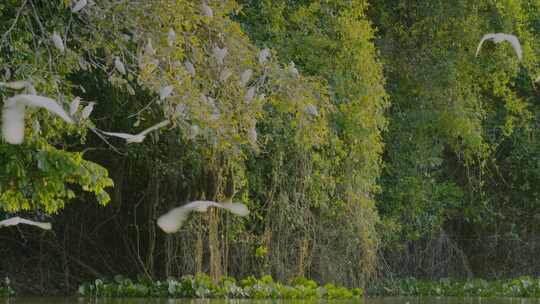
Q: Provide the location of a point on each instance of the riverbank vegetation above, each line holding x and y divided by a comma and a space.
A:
202, 286
365, 137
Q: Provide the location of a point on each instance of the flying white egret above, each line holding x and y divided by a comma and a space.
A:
207, 10
249, 95
79, 6
171, 37
263, 55
189, 67
74, 106
165, 92
500, 37
137, 138
171, 221
119, 66
17, 220
58, 43
13, 114
225, 74
311, 110
86, 111
219, 54
16, 85
245, 77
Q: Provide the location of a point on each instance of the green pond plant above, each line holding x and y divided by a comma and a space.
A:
520, 287
201, 286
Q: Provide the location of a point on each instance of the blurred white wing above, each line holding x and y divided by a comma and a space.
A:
154, 127
74, 105
499, 37
236, 208
17, 220
87, 110
121, 135
41, 102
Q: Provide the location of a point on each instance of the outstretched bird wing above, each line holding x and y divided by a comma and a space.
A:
13, 114
172, 221
121, 135
515, 44
484, 38
17, 220
154, 127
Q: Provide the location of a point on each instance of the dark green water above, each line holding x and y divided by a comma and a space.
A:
381, 300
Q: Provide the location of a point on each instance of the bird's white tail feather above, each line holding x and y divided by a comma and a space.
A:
236, 208
13, 123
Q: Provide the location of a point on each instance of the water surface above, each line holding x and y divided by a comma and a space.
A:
375, 300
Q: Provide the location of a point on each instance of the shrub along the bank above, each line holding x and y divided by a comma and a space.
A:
520, 287
201, 286
5, 288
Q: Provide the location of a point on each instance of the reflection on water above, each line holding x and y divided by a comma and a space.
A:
377, 300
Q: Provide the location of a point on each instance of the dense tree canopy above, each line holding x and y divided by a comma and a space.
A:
366, 137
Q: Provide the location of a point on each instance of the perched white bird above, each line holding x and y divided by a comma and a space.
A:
137, 138
119, 66
13, 114
74, 106
17, 220
165, 92
58, 43
252, 134
171, 37
149, 48
86, 111
16, 85
311, 110
263, 55
249, 95
79, 6
207, 10
189, 67
171, 221
194, 131
225, 74
219, 54
293, 70
245, 77
500, 37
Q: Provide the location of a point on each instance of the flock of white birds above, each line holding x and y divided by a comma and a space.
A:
13, 114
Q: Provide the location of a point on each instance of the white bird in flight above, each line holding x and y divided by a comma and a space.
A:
13, 114
137, 138
171, 221
500, 37
79, 6
17, 220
